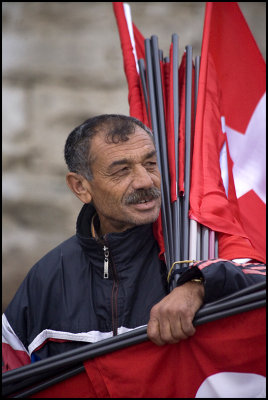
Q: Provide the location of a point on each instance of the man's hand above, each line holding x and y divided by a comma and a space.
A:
171, 318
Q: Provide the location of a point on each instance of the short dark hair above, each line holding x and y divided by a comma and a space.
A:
77, 147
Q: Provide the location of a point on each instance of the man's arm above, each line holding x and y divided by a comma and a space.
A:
171, 318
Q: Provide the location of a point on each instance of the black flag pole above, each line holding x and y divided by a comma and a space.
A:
154, 124
176, 209
162, 141
188, 117
195, 227
143, 83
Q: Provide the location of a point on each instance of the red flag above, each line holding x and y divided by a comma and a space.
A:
225, 358
125, 28
231, 89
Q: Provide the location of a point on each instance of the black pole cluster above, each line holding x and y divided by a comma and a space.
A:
175, 220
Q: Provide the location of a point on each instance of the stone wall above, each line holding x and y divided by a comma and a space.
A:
62, 63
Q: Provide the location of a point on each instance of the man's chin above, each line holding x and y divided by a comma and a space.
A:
145, 219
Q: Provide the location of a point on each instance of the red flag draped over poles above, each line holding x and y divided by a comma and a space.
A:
231, 102
192, 368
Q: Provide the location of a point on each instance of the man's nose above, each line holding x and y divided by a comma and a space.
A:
142, 179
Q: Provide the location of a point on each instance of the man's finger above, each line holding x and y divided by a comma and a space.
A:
187, 327
177, 330
153, 332
165, 331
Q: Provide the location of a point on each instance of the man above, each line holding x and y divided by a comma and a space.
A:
108, 279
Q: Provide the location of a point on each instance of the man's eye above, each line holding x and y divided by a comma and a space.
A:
150, 164
123, 170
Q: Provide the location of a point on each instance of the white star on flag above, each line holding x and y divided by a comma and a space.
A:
248, 152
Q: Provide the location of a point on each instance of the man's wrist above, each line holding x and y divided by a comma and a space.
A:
196, 287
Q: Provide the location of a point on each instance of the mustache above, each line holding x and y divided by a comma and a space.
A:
142, 194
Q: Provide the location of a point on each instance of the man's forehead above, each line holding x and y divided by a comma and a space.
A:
138, 146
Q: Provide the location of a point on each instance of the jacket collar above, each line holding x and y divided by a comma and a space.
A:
87, 224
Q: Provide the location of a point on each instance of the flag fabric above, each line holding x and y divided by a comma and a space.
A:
228, 196
192, 368
132, 48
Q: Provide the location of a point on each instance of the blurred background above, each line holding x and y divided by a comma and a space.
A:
62, 63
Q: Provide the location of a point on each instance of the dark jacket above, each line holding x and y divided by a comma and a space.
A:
66, 298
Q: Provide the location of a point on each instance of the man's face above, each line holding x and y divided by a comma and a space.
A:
125, 188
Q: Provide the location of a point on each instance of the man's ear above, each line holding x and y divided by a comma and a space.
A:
79, 186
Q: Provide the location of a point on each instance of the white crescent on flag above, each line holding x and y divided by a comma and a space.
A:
233, 385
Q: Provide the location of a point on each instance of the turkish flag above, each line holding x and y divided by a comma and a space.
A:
225, 358
228, 195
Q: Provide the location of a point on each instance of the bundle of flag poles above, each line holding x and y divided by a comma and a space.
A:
30, 379
185, 240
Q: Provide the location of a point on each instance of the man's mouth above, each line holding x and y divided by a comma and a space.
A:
143, 201
143, 196
146, 205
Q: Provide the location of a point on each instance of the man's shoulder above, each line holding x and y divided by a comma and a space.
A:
48, 271
67, 245
65, 251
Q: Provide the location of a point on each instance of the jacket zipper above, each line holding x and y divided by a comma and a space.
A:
114, 289
106, 262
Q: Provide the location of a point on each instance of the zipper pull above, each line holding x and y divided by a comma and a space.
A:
106, 262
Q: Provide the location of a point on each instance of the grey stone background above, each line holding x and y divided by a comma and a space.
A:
62, 63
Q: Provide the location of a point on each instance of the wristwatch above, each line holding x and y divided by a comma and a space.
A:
191, 275
198, 280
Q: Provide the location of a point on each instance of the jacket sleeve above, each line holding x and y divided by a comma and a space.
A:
15, 329
14, 354
223, 277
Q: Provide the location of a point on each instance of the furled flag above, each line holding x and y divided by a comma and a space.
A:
132, 49
230, 126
